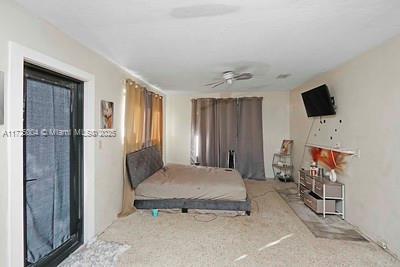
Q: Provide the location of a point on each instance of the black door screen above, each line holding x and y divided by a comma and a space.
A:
52, 165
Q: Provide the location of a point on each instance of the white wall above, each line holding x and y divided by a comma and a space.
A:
178, 120
19, 26
367, 93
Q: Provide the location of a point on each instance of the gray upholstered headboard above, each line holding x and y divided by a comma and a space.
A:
142, 164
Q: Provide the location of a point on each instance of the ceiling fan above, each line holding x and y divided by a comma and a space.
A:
229, 76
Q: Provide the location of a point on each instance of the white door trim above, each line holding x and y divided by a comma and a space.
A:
14, 97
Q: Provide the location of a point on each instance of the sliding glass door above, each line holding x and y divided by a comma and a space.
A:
52, 166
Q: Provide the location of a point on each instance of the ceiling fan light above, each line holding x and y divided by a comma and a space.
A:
227, 75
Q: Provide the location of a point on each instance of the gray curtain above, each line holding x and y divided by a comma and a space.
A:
47, 170
204, 144
226, 127
220, 125
250, 155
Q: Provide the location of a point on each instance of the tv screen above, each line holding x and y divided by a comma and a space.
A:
318, 102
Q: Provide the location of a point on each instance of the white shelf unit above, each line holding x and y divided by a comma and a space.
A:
282, 166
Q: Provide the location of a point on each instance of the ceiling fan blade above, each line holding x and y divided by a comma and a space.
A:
208, 84
217, 84
243, 76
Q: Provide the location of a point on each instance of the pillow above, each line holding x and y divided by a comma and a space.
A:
142, 164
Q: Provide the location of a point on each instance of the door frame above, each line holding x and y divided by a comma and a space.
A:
18, 55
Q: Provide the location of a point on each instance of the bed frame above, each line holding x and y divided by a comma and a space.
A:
143, 163
202, 204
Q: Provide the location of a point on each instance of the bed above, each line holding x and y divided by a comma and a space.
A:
184, 187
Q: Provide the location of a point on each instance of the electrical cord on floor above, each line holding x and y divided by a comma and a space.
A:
215, 216
261, 195
195, 217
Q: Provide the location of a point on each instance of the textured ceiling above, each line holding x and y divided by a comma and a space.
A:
180, 45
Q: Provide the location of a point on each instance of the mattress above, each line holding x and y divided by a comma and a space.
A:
176, 181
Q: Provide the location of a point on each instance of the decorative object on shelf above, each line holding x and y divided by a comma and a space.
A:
313, 169
107, 114
332, 175
1, 97
282, 163
321, 172
333, 160
286, 147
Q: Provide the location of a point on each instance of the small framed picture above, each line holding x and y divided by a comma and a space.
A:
107, 114
286, 148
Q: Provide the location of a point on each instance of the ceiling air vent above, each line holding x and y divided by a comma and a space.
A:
283, 76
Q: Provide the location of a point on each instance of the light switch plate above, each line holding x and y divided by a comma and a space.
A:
1, 98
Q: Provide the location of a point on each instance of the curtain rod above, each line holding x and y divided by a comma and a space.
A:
132, 82
235, 98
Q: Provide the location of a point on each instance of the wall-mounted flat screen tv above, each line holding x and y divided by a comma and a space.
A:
318, 102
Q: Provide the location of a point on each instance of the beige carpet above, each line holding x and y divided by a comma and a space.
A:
272, 236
